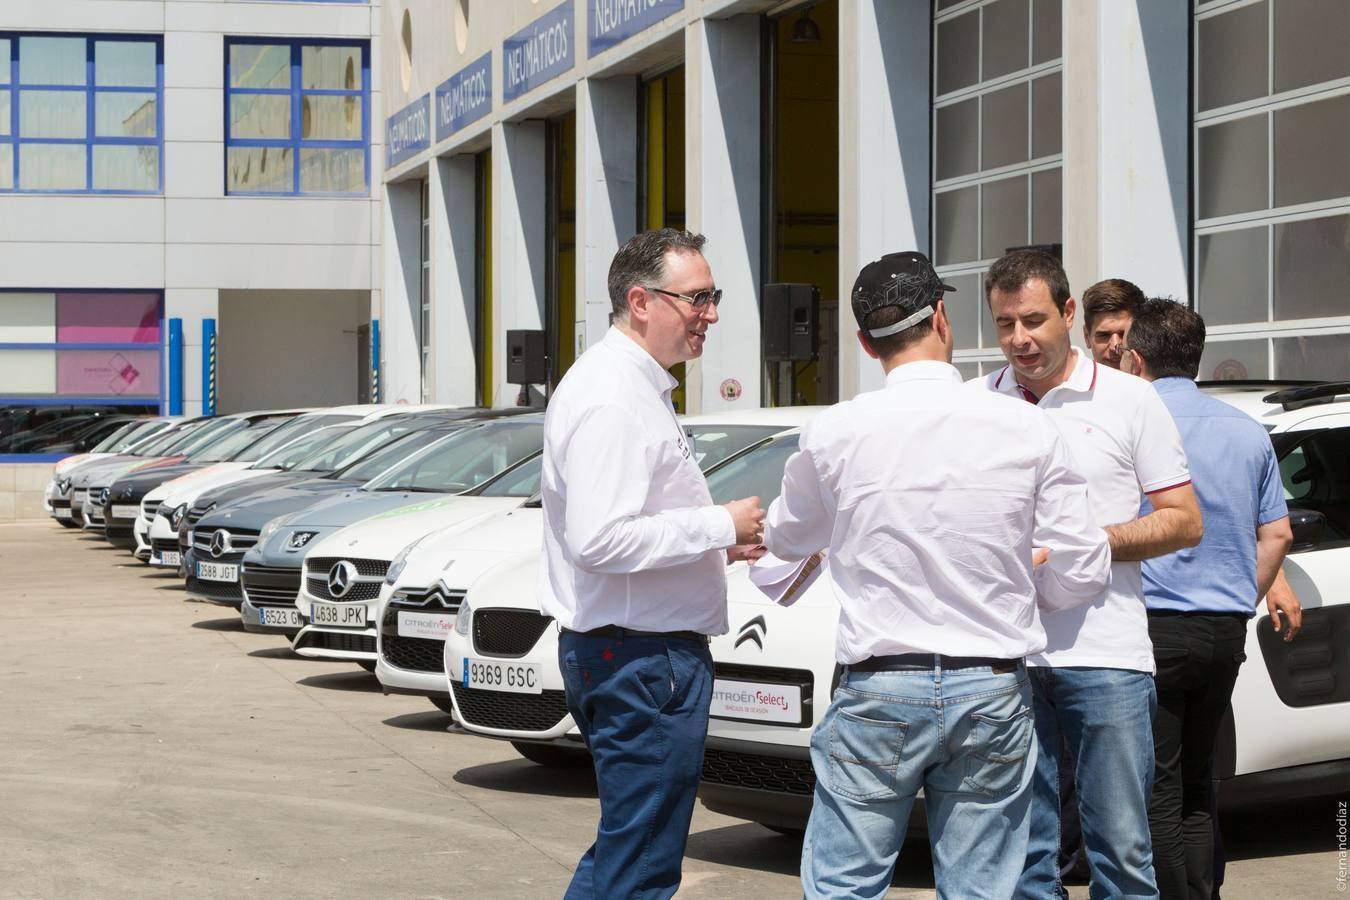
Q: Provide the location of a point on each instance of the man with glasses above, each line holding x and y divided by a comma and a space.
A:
634, 559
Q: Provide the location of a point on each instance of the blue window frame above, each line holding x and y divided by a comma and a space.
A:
297, 117
81, 113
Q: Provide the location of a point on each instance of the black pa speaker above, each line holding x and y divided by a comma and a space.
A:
788, 324
526, 357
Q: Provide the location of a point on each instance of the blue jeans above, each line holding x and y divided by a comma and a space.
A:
965, 737
1106, 716
641, 704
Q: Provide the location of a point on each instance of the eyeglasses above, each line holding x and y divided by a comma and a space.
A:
701, 300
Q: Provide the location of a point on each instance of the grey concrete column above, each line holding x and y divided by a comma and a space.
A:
519, 209
722, 178
607, 186
453, 266
401, 313
884, 153
1126, 76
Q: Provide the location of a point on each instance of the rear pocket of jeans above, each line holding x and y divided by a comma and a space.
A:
864, 755
997, 754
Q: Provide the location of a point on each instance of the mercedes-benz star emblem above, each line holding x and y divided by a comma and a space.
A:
340, 578
220, 544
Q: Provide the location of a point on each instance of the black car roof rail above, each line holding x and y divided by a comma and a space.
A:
1256, 383
1310, 395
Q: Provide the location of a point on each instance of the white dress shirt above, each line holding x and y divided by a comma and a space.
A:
1125, 443
631, 535
931, 495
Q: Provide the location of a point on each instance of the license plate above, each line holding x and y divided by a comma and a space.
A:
491, 675
343, 615
62, 513
219, 572
432, 626
78, 496
749, 701
126, 512
280, 616
166, 558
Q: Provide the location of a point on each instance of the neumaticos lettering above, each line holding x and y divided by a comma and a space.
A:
408, 131
543, 50
607, 15
464, 98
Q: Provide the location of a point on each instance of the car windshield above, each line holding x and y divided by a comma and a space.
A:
466, 459
358, 442
390, 455
236, 441
755, 473
292, 429
288, 456
192, 436
117, 438
522, 481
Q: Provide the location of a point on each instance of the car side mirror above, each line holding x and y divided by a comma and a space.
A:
1307, 525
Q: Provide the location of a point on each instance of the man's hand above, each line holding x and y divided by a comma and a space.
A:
747, 552
748, 519
1282, 601
1174, 524
1039, 555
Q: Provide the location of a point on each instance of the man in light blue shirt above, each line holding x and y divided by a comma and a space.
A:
1199, 599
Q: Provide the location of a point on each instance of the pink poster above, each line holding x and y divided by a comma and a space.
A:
107, 373
99, 318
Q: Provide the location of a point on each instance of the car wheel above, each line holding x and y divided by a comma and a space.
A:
367, 664
553, 757
443, 704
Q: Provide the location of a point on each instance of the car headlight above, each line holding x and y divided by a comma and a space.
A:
63, 486
176, 518
270, 528
462, 618
401, 561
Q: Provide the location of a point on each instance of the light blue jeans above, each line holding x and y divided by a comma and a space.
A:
1106, 716
963, 736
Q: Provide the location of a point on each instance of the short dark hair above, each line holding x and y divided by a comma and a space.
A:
1169, 337
892, 344
642, 261
1111, 296
1012, 270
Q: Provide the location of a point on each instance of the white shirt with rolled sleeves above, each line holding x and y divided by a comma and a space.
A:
931, 496
631, 535
1125, 444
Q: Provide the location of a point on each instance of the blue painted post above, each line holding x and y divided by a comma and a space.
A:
175, 367
208, 367
374, 360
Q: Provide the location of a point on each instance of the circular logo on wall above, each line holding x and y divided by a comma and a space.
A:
1230, 370
730, 389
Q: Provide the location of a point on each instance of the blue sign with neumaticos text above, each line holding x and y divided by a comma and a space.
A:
408, 132
613, 21
464, 97
541, 51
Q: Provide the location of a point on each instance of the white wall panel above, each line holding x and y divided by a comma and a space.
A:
265, 266
267, 220
194, 114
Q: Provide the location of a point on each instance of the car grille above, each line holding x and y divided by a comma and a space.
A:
270, 585
162, 509
763, 773
60, 504
215, 590
240, 540
360, 591
194, 515
517, 712
507, 632
164, 545
371, 568
345, 643
413, 654
433, 600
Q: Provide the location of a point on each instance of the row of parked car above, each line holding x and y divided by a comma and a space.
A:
407, 540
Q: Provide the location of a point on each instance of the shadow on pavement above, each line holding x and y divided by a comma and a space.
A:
220, 624
431, 720
752, 846
519, 776
1281, 829
360, 681
283, 652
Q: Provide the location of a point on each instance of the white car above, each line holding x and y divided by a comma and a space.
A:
57, 495
501, 660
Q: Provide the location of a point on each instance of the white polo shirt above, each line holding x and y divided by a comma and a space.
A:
631, 535
1125, 444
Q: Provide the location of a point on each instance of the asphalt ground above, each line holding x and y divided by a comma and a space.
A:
152, 748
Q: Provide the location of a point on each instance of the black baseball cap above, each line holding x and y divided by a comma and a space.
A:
905, 280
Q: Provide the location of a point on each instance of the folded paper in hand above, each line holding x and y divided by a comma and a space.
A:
784, 582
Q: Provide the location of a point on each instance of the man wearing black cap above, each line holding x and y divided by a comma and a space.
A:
931, 497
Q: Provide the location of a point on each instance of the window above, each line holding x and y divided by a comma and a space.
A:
997, 149
1272, 193
81, 114
297, 117
68, 358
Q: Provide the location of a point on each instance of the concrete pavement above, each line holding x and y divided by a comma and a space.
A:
152, 748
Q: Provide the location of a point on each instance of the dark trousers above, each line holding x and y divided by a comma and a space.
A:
641, 703
1198, 656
